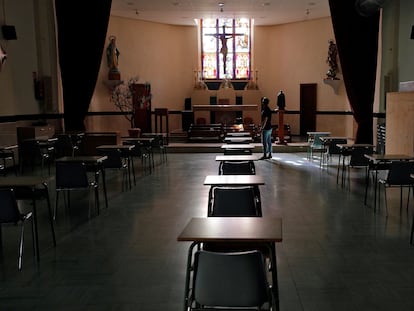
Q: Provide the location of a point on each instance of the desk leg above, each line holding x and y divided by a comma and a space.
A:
275, 286
104, 186
375, 190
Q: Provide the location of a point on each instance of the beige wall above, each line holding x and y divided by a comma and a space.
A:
163, 55
166, 56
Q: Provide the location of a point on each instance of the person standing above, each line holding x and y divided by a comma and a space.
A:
266, 129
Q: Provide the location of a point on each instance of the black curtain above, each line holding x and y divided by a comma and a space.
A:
357, 42
81, 28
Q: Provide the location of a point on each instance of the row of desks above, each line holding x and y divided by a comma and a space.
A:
37, 186
267, 230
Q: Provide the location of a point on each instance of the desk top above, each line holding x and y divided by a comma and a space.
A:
10, 147
117, 147
138, 139
83, 159
233, 180
388, 157
317, 133
233, 158
22, 181
238, 134
237, 146
237, 229
238, 139
347, 146
330, 138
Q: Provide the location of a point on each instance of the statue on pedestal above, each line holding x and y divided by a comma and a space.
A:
112, 55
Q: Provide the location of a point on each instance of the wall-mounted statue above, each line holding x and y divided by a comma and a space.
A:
332, 61
112, 55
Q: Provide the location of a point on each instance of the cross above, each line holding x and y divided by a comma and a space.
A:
223, 38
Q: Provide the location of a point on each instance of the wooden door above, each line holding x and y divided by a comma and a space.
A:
307, 108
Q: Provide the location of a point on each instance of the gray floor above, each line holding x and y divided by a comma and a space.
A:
337, 254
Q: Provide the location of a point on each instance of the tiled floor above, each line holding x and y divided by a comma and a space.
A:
337, 254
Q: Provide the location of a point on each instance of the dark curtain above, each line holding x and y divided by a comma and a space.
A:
81, 28
357, 42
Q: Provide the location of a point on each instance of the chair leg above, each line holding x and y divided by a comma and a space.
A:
386, 201
20, 260
56, 205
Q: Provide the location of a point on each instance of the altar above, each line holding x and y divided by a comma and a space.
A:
225, 105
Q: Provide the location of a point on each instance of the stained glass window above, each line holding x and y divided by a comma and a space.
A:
225, 48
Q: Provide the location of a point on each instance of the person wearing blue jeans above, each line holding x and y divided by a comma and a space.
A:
266, 128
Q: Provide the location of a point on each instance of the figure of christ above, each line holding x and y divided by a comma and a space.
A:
223, 37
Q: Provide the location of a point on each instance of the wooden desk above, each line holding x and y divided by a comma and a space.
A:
236, 158
237, 146
233, 229
238, 134
238, 140
234, 180
31, 184
93, 162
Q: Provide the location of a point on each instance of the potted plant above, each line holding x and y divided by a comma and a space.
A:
122, 98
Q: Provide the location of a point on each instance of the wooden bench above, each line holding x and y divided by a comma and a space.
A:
206, 133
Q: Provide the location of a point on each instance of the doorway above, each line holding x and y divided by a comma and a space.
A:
307, 108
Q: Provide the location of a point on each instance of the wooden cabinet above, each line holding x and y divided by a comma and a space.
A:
141, 96
399, 131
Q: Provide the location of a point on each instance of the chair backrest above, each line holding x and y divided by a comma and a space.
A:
64, 145
234, 202
237, 168
71, 175
232, 151
333, 148
317, 142
230, 279
399, 173
114, 160
9, 211
358, 158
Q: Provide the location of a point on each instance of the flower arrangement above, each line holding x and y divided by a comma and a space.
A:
121, 97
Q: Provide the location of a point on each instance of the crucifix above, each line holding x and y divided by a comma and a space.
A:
224, 49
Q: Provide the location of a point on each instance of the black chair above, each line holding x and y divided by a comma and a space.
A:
229, 281
8, 155
399, 175
159, 143
234, 202
142, 151
119, 162
31, 151
333, 149
358, 160
65, 146
10, 214
237, 168
71, 176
